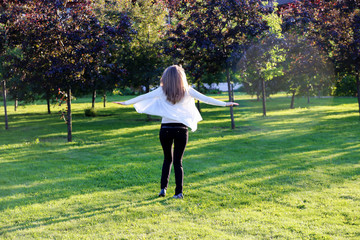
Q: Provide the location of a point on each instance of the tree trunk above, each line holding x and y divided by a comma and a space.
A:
93, 98
230, 98
198, 102
5, 109
16, 104
69, 116
292, 100
232, 91
259, 92
48, 103
263, 96
358, 89
147, 89
104, 98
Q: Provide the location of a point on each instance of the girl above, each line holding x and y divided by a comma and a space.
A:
174, 102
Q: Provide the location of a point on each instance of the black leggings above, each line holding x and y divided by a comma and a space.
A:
177, 134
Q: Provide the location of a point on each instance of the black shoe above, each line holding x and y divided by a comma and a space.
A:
162, 193
179, 196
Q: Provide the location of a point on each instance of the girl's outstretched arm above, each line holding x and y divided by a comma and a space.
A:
209, 100
230, 104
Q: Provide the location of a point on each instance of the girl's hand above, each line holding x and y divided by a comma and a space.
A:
229, 104
121, 103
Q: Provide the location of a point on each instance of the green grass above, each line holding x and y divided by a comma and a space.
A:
292, 175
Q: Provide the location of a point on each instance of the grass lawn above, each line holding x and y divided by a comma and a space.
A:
292, 175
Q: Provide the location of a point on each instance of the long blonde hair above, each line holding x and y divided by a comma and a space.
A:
174, 83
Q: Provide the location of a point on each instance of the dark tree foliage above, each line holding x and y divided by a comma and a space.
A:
211, 35
63, 48
334, 26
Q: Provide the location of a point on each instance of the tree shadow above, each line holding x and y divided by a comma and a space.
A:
83, 214
257, 161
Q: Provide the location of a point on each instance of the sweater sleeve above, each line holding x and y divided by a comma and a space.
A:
145, 96
212, 101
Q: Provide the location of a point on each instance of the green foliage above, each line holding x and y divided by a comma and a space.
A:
292, 175
264, 60
63, 47
274, 21
124, 91
212, 35
307, 69
144, 60
333, 26
271, 67
109, 11
90, 112
345, 86
10, 60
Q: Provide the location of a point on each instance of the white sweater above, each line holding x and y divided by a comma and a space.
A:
185, 111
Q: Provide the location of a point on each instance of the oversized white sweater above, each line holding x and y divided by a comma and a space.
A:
185, 111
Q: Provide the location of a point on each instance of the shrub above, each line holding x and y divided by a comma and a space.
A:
213, 91
90, 112
124, 91
346, 86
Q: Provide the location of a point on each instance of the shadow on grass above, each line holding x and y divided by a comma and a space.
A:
62, 171
84, 213
257, 161
36, 173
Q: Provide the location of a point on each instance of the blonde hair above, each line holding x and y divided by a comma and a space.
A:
174, 83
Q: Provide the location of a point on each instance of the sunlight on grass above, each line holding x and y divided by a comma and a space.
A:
291, 175
338, 116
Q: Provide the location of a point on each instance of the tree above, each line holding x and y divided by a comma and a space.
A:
307, 69
117, 32
212, 35
81, 39
262, 61
345, 85
334, 26
27, 24
66, 43
5, 105
145, 61
345, 34
9, 67
10, 55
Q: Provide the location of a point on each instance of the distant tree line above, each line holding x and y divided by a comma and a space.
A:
306, 48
